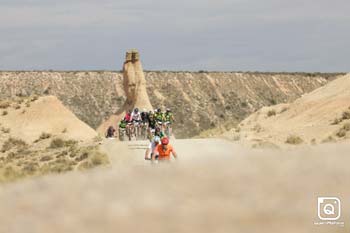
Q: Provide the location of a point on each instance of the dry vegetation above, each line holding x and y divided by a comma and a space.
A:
201, 101
20, 160
271, 113
294, 140
46, 154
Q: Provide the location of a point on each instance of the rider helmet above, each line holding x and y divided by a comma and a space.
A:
165, 141
136, 110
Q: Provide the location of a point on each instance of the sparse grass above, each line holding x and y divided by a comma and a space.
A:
294, 140
34, 98
13, 143
313, 141
5, 130
271, 113
16, 165
98, 138
236, 137
4, 104
336, 121
346, 115
46, 158
284, 109
328, 139
257, 128
59, 143
343, 130
43, 136
93, 158
346, 127
341, 133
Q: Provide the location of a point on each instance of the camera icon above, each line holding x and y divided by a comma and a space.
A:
329, 208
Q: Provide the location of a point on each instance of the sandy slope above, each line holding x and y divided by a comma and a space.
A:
309, 117
46, 115
215, 186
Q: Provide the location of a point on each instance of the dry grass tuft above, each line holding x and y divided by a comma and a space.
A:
5, 130
346, 127
34, 98
271, 113
329, 139
336, 121
346, 115
13, 143
341, 133
44, 136
4, 104
59, 143
294, 140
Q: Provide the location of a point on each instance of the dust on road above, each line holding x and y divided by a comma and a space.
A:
215, 186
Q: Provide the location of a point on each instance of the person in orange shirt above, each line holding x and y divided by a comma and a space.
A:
164, 150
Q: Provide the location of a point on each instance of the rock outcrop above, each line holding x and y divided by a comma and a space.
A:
135, 82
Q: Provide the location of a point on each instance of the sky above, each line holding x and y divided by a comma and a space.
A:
214, 35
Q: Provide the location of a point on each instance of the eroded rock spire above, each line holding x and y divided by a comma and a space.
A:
135, 82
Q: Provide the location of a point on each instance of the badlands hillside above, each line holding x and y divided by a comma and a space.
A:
200, 100
40, 136
317, 117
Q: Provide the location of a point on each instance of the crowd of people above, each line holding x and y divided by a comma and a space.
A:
144, 124
153, 125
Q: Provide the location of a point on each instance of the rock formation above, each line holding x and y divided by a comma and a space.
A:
135, 82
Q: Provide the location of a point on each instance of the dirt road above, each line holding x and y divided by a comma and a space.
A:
215, 186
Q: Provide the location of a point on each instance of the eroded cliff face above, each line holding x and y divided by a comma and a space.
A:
199, 100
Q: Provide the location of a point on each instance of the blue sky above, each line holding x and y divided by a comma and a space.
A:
226, 35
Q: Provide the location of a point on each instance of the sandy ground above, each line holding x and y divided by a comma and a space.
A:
311, 117
215, 186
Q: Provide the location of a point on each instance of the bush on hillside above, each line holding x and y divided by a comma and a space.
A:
294, 140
